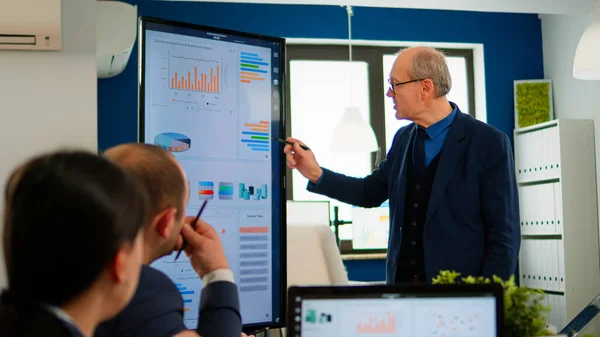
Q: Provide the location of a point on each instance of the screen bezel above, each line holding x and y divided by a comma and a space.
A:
396, 291
143, 20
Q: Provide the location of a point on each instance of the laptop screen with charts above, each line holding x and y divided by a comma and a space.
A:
395, 310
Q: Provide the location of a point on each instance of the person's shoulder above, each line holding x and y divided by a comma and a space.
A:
154, 274
157, 306
403, 134
37, 322
152, 279
405, 130
481, 131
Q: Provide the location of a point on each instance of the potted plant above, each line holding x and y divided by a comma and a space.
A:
524, 312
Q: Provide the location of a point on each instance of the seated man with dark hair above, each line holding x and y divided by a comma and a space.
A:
157, 307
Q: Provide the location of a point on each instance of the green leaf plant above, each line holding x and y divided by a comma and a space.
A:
524, 312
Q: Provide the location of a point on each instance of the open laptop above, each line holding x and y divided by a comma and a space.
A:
396, 310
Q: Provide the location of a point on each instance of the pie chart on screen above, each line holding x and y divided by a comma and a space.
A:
173, 142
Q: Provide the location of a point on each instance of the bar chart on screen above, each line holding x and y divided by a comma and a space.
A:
255, 139
254, 72
206, 190
252, 67
185, 292
195, 73
250, 191
191, 75
376, 318
189, 287
370, 227
379, 324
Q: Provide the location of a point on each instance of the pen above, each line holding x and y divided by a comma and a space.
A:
304, 147
193, 226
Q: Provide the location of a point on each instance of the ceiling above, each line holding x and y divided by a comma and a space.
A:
569, 7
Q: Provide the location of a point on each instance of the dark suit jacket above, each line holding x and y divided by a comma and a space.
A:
472, 222
156, 310
34, 323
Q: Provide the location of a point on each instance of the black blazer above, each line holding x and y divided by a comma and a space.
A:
472, 222
156, 310
33, 323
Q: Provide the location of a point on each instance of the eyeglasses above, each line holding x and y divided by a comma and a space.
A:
394, 85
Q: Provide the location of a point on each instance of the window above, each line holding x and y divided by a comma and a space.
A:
321, 83
319, 91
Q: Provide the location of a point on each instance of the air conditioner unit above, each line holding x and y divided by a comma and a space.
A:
116, 31
30, 24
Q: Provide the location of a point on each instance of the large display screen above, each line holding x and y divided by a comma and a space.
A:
214, 99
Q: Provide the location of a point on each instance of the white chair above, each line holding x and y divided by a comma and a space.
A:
313, 257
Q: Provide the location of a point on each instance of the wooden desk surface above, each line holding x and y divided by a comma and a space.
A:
373, 256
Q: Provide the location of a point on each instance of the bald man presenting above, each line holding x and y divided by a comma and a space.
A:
450, 180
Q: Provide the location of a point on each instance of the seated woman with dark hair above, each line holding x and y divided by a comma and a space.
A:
72, 245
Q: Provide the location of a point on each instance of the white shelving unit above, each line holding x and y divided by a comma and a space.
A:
556, 174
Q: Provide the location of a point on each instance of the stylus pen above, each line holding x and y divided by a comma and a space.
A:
282, 141
193, 226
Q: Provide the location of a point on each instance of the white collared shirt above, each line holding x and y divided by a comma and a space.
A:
216, 276
65, 318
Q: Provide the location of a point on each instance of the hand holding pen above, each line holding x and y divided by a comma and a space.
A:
299, 156
204, 247
285, 142
193, 226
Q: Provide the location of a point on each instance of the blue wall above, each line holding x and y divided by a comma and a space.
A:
512, 47
365, 270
